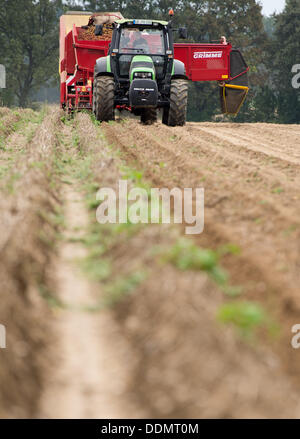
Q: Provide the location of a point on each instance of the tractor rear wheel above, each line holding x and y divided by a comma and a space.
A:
148, 116
104, 98
175, 114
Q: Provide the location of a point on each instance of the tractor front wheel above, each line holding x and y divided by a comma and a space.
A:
104, 98
148, 116
175, 114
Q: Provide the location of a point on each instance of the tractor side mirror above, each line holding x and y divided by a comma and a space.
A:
99, 30
182, 33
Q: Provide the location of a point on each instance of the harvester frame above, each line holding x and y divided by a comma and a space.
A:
91, 79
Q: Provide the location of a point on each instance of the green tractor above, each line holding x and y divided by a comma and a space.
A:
140, 74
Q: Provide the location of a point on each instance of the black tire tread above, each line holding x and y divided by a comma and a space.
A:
104, 98
175, 115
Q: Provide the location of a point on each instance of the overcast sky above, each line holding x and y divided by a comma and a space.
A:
269, 6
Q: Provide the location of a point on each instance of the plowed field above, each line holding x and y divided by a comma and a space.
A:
123, 321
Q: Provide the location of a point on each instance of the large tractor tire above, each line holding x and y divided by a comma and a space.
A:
175, 114
148, 116
104, 98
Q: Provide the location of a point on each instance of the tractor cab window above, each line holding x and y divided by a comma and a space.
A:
142, 41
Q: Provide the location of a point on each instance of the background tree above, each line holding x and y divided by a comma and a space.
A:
285, 53
28, 45
241, 21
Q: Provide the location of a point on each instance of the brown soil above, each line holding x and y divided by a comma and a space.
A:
252, 199
88, 378
25, 255
158, 351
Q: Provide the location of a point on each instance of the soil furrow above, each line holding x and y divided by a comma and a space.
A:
256, 217
122, 320
253, 141
268, 236
90, 373
26, 251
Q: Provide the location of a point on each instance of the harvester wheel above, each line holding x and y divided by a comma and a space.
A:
104, 98
175, 114
148, 116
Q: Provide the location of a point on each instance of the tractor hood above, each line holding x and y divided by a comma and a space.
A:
142, 67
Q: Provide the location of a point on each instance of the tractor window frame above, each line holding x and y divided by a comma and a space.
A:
117, 56
142, 27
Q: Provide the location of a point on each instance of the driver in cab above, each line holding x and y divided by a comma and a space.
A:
140, 42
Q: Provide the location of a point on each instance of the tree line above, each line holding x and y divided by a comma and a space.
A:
29, 49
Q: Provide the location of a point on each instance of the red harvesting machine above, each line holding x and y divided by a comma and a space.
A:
141, 68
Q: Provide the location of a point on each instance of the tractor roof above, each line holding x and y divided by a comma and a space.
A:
139, 21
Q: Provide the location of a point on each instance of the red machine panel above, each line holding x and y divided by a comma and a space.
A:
204, 62
87, 52
77, 61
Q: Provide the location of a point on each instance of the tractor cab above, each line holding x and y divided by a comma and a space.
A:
142, 42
